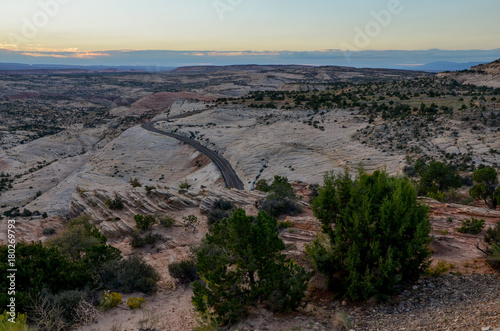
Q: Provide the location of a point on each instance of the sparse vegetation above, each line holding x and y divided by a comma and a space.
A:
54, 280
135, 182
450, 127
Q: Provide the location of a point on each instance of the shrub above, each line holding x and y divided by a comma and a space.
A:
147, 285
68, 303
485, 187
220, 210
436, 177
77, 259
376, 234
26, 213
46, 315
184, 185
85, 313
439, 269
144, 222
39, 268
149, 189
115, 203
285, 225
110, 300
20, 322
241, 263
493, 256
342, 320
151, 239
135, 303
314, 191
492, 238
82, 241
190, 221
129, 275
137, 240
135, 182
472, 226
184, 271
281, 198
167, 221
48, 231
262, 185
409, 171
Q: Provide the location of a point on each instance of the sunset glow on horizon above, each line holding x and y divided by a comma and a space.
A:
241, 25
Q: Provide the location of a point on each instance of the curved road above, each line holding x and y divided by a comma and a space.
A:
228, 173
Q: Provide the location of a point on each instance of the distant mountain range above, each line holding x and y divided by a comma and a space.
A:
19, 68
40, 68
440, 66
433, 60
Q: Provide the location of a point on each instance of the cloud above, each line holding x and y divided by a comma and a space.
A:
10, 47
67, 55
234, 53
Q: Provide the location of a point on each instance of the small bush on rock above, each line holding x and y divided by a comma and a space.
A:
110, 300
492, 238
220, 210
48, 231
472, 226
20, 322
167, 221
129, 275
144, 222
135, 303
184, 271
280, 199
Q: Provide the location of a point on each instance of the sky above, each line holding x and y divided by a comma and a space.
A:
87, 29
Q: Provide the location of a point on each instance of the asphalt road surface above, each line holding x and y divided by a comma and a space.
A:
228, 173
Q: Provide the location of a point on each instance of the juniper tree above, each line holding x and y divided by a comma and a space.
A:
485, 187
375, 233
240, 264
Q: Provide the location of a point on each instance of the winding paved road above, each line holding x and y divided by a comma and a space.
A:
228, 173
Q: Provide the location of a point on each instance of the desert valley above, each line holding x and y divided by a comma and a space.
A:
180, 145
